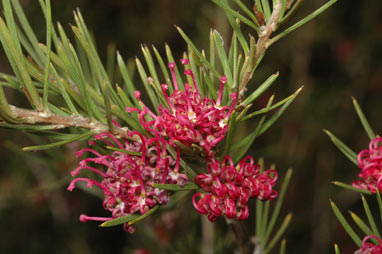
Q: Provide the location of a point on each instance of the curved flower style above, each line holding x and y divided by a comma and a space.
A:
370, 248
188, 118
370, 162
229, 188
131, 172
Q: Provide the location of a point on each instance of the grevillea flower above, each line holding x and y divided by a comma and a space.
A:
370, 162
370, 248
131, 172
228, 188
188, 118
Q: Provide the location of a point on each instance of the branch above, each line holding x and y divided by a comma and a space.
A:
61, 122
262, 44
246, 246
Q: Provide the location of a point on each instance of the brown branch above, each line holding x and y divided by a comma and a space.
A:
61, 122
246, 246
262, 44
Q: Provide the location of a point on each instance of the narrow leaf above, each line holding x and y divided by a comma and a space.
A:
197, 52
278, 205
346, 225
363, 119
176, 187
302, 22
350, 187
84, 136
352, 156
261, 89
130, 219
370, 217
279, 232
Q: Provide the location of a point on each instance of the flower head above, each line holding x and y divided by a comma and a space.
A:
370, 162
228, 188
370, 248
188, 118
131, 172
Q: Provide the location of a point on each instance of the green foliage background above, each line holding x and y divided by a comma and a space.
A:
336, 56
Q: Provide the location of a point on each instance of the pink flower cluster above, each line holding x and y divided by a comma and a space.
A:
229, 188
187, 117
370, 162
370, 248
131, 172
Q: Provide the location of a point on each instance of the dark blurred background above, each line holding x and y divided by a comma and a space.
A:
335, 57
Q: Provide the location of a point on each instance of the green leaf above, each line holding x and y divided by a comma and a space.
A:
18, 65
346, 225
247, 11
302, 22
370, 217
336, 249
350, 187
264, 219
48, 47
233, 14
28, 31
361, 224
197, 52
126, 77
352, 156
152, 70
266, 8
109, 116
279, 232
236, 27
276, 105
363, 119
261, 89
259, 216
223, 57
123, 151
279, 202
283, 246
230, 134
176, 187
171, 59
8, 13
129, 219
84, 136
379, 202
147, 85
243, 145
279, 112
164, 70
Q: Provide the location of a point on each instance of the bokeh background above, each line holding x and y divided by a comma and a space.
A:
335, 57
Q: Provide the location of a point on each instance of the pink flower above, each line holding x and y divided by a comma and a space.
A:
128, 182
370, 162
370, 248
187, 117
228, 188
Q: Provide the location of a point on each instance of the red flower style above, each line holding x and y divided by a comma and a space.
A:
131, 173
229, 188
370, 248
370, 162
187, 117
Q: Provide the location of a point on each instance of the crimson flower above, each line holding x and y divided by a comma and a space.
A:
228, 188
131, 172
370, 162
188, 118
370, 248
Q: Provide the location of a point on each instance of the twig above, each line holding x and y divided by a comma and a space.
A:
246, 246
262, 43
60, 122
